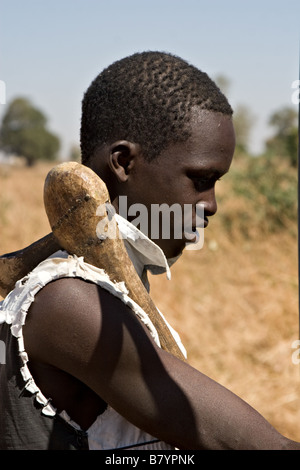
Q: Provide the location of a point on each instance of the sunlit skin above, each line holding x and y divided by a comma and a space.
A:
184, 173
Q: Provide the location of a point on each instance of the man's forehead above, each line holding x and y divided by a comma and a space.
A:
211, 135
206, 123
211, 132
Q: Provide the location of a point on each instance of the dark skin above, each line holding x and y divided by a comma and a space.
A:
86, 348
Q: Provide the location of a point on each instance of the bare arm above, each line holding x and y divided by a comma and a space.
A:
85, 331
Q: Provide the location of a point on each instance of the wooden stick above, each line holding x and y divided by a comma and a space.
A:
16, 265
73, 194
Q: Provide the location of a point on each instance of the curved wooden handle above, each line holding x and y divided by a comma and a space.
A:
16, 265
73, 194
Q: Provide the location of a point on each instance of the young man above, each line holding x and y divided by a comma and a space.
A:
90, 372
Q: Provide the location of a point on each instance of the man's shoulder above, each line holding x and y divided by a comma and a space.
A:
65, 287
70, 294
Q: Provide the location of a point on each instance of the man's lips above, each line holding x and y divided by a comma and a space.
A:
203, 224
192, 236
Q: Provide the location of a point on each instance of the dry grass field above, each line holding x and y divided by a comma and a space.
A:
234, 303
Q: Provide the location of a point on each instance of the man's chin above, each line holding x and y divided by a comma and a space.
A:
174, 250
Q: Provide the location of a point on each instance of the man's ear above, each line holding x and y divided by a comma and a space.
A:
122, 158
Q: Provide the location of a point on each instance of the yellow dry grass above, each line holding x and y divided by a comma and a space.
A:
234, 303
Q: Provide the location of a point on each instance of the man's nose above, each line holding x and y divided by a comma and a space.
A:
209, 202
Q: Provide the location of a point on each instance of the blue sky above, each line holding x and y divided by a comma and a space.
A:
50, 50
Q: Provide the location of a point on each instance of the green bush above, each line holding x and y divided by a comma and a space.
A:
265, 190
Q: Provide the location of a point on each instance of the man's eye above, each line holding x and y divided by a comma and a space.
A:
203, 183
200, 183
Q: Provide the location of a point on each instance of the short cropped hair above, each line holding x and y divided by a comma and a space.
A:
145, 98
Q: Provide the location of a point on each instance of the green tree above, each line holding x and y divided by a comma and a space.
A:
243, 119
285, 139
24, 133
75, 153
223, 83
